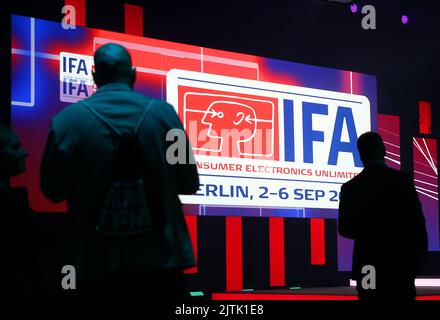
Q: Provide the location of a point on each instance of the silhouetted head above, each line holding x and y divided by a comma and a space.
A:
371, 147
113, 64
12, 155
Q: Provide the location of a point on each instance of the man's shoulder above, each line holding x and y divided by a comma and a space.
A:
157, 106
387, 174
351, 183
161, 107
397, 175
163, 112
69, 113
76, 108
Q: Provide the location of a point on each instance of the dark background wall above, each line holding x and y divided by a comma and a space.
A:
405, 59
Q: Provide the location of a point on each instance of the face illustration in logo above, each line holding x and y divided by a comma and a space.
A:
223, 124
230, 124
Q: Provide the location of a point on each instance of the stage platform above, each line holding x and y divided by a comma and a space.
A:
321, 293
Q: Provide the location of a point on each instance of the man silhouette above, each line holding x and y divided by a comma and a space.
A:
23, 241
380, 210
77, 167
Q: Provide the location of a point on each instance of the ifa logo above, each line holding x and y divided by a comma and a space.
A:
228, 124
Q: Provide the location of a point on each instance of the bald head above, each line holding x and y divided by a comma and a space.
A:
113, 64
371, 147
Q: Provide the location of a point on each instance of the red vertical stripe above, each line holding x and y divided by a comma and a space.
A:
80, 10
425, 117
356, 82
276, 252
134, 19
234, 254
191, 222
346, 81
317, 238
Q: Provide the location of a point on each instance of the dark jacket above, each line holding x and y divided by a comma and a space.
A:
380, 210
77, 167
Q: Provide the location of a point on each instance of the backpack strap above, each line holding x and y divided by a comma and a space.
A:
113, 129
147, 109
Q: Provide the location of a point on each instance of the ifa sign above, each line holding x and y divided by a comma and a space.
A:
248, 134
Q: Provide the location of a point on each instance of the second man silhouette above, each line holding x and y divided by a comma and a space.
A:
380, 210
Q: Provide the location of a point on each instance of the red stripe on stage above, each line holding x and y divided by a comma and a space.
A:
317, 239
80, 10
280, 296
302, 297
191, 222
134, 19
424, 117
234, 254
433, 297
276, 252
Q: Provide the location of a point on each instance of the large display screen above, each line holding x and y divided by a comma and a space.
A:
271, 137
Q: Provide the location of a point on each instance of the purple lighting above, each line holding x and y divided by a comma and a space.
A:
404, 19
354, 8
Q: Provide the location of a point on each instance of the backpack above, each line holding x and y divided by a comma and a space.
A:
124, 209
